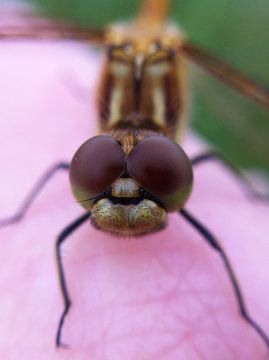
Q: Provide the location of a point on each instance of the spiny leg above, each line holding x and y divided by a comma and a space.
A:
67, 301
212, 241
33, 194
241, 178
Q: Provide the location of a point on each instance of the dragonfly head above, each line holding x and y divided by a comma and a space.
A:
129, 189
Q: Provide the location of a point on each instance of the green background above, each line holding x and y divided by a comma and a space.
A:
237, 31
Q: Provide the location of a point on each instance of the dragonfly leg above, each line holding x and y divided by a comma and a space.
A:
238, 174
62, 281
213, 242
29, 199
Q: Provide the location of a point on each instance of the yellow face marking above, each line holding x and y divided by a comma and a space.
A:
159, 106
115, 113
125, 187
158, 70
121, 72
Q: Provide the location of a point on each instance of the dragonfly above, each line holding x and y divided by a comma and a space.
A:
131, 175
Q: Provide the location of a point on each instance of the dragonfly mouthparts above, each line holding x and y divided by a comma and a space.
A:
128, 210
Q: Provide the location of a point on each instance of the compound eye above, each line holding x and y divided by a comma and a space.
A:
95, 165
163, 169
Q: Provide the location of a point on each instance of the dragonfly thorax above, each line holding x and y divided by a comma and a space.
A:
143, 75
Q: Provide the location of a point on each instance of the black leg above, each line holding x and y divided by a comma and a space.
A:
33, 194
67, 302
244, 182
212, 241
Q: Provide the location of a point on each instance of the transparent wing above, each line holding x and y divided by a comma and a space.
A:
226, 73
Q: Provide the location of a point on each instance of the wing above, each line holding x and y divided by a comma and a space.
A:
226, 73
48, 30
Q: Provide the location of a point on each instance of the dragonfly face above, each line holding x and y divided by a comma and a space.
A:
131, 183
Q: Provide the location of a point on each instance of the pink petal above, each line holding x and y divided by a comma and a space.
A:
165, 296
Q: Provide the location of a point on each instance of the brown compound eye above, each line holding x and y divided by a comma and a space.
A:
163, 169
95, 165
